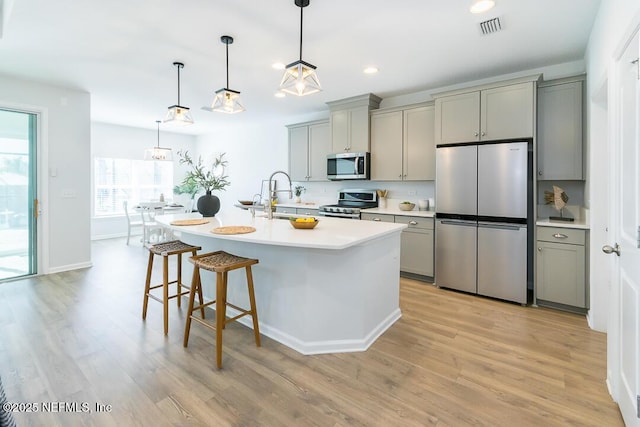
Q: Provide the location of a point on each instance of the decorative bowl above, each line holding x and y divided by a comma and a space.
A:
406, 206
246, 202
303, 225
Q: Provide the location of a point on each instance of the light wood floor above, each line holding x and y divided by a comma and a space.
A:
451, 360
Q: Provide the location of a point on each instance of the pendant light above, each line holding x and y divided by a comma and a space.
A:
226, 100
300, 77
178, 114
157, 152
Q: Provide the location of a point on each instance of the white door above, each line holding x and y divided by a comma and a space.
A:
625, 215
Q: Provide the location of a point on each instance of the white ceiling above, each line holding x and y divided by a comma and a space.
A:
121, 51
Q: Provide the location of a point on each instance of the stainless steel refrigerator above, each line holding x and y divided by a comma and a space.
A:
483, 218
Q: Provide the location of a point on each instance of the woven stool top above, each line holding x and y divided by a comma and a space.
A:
221, 261
171, 248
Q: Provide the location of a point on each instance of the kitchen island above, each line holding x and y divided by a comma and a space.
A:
331, 289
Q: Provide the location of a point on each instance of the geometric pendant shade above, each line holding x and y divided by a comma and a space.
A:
300, 77
226, 100
158, 153
177, 114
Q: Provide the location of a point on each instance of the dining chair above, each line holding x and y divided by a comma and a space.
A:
131, 223
151, 227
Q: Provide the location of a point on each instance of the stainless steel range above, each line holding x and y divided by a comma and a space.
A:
350, 202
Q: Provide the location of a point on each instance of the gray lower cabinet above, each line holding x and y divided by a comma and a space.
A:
296, 211
286, 210
416, 244
307, 211
377, 217
561, 267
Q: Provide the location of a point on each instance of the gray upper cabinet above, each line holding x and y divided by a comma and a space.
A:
350, 130
560, 125
349, 122
403, 144
487, 114
458, 118
309, 144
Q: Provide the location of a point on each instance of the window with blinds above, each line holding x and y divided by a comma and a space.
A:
117, 180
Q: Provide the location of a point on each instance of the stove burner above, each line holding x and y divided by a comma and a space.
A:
350, 202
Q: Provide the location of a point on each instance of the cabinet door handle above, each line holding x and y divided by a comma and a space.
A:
484, 134
376, 219
413, 222
400, 176
475, 134
540, 172
539, 249
560, 236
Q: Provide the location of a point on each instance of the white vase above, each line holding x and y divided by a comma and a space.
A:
382, 202
298, 199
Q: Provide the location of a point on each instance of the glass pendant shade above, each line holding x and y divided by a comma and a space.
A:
158, 153
227, 101
178, 114
300, 79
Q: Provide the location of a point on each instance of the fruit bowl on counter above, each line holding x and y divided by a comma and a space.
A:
303, 223
406, 206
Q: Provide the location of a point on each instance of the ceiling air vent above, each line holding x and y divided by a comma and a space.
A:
490, 26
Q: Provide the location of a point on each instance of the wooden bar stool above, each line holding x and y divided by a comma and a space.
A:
166, 249
221, 263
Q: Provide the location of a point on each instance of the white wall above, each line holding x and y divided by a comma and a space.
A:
611, 27
108, 140
63, 175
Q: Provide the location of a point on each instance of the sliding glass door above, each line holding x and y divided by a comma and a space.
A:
18, 202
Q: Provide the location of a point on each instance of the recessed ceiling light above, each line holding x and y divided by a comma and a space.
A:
279, 94
278, 66
370, 70
481, 6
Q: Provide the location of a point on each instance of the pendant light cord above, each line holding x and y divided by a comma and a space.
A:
158, 122
178, 90
227, 45
301, 9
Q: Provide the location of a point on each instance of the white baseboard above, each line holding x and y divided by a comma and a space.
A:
321, 347
69, 267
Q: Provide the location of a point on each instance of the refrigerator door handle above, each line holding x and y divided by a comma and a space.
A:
501, 226
462, 223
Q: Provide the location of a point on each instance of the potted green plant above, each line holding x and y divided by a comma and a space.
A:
189, 187
298, 190
208, 179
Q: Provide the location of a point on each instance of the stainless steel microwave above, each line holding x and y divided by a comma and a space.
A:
348, 166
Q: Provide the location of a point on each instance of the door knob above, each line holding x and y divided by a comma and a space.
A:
609, 250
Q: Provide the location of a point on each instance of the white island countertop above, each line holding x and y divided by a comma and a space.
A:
334, 288
330, 233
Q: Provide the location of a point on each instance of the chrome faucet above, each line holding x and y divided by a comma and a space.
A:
269, 208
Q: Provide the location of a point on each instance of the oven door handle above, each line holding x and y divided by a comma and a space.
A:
355, 165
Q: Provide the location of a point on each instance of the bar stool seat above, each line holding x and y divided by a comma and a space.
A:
166, 249
221, 263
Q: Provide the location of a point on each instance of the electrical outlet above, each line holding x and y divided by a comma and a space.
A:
412, 192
